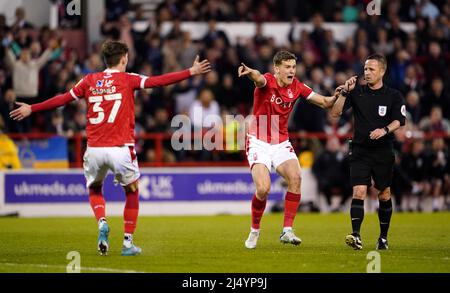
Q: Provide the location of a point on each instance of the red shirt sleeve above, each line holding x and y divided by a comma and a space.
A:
303, 90
135, 80
80, 89
165, 79
55, 102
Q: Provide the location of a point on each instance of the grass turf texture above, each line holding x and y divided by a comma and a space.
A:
418, 243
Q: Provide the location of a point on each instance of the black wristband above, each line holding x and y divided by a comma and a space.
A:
344, 93
386, 129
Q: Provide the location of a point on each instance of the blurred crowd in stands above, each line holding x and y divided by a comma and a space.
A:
36, 64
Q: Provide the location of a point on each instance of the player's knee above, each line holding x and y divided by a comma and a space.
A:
359, 194
294, 180
262, 190
384, 195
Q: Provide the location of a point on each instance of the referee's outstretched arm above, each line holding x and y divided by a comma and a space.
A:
336, 110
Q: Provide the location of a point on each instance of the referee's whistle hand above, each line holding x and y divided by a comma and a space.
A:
377, 133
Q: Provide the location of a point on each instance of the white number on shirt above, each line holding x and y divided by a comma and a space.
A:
97, 100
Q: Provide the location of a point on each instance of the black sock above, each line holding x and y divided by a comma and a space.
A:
384, 215
357, 214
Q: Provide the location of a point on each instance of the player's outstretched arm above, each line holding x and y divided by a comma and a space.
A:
20, 113
25, 110
199, 67
253, 74
325, 102
338, 106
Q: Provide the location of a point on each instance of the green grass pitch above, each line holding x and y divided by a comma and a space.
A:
418, 243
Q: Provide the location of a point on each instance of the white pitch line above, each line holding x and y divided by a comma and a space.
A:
45, 266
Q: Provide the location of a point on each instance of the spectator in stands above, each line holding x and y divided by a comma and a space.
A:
20, 22
395, 30
413, 106
439, 172
335, 126
140, 29
9, 155
205, 110
437, 96
188, 50
401, 183
92, 64
435, 122
227, 95
204, 115
436, 64
332, 173
411, 81
383, 45
115, 9
160, 124
25, 71
214, 33
424, 8
416, 164
350, 11
7, 105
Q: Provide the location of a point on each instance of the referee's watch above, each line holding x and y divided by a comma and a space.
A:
345, 93
386, 129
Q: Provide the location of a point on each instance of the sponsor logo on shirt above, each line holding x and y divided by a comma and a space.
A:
279, 101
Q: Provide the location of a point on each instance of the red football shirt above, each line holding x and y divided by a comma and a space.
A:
271, 108
110, 99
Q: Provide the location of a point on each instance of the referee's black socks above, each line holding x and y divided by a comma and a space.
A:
357, 214
384, 215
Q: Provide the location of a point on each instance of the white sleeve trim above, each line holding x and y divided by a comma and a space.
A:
310, 95
143, 82
73, 95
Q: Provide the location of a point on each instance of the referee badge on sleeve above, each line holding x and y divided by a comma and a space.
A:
403, 110
382, 110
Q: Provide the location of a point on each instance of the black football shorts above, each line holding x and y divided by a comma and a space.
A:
371, 163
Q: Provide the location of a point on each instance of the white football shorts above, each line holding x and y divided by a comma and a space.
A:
122, 161
260, 152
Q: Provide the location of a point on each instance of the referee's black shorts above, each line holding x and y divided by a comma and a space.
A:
368, 163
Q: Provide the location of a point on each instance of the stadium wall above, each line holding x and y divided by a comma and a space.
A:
163, 191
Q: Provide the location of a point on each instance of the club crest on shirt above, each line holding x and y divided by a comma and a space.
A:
382, 110
290, 94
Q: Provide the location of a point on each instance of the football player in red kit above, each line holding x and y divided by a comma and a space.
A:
110, 131
268, 139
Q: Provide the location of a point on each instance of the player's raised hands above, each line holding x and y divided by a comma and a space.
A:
200, 67
338, 90
350, 83
20, 113
244, 70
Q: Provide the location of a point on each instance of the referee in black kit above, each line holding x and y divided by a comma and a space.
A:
378, 111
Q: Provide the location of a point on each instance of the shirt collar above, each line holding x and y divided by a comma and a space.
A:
111, 70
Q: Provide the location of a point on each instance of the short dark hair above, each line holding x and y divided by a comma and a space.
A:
281, 56
112, 51
380, 58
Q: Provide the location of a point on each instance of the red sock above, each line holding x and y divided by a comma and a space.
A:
258, 207
131, 211
291, 202
97, 202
